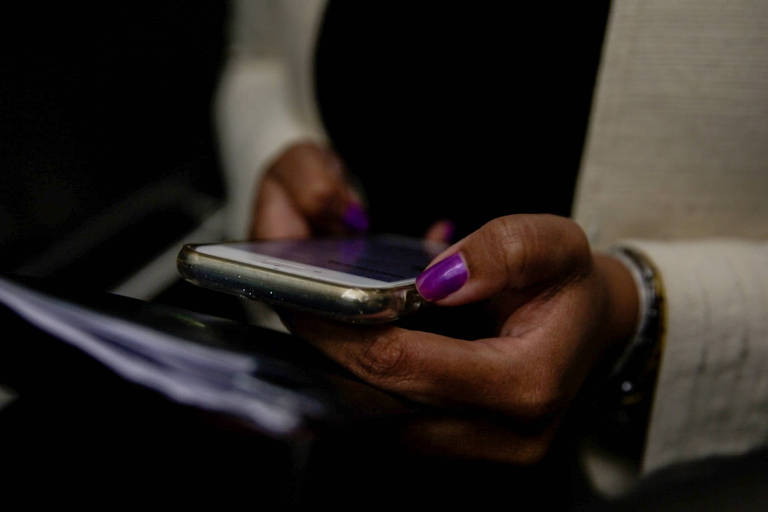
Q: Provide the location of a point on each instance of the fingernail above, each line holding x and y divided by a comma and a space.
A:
443, 278
355, 218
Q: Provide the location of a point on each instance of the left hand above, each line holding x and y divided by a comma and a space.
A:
306, 192
559, 308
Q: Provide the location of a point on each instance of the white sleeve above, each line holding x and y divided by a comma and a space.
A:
260, 108
711, 396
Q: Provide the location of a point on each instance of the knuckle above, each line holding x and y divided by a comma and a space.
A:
534, 248
503, 230
513, 240
528, 239
318, 196
387, 358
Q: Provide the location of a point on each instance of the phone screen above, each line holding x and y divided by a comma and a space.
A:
387, 258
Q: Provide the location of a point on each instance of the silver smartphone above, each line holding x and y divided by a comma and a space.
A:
358, 280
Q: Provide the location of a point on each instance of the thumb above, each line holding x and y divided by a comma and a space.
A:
512, 252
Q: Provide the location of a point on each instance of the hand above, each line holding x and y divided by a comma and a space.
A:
303, 193
558, 307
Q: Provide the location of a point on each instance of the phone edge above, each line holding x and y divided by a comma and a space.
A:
349, 304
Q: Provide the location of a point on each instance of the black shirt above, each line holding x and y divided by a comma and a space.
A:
459, 111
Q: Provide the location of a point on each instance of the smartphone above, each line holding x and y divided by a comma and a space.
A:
357, 280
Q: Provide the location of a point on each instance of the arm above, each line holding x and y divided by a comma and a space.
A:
263, 103
676, 160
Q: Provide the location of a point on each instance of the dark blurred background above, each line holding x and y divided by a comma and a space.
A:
459, 111
106, 147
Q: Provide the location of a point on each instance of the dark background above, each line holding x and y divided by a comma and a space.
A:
106, 146
459, 111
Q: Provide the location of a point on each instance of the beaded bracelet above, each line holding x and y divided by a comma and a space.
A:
634, 373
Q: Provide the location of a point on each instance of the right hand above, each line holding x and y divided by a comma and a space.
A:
304, 193
557, 309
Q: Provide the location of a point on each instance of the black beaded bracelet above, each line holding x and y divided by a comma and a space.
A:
621, 389
619, 392
633, 375
632, 379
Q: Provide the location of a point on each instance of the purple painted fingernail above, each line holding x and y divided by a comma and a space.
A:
355, 218
443, 278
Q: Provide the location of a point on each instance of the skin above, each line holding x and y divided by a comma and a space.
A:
304, 192
558, 307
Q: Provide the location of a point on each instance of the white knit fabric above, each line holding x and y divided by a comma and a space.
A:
712, 391
677, 155
264, 101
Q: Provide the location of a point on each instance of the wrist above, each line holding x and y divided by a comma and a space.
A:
622, 389
636, 368
621, 299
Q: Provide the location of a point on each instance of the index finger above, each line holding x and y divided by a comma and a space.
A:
314, 180
422, 366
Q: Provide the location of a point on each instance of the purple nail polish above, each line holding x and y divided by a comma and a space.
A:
355, 218
443, 278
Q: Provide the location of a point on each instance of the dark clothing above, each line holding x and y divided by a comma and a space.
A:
445, 111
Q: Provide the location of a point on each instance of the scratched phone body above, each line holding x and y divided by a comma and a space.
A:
362, 280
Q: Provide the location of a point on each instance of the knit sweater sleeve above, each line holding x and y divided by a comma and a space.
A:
264, 102
712, 390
